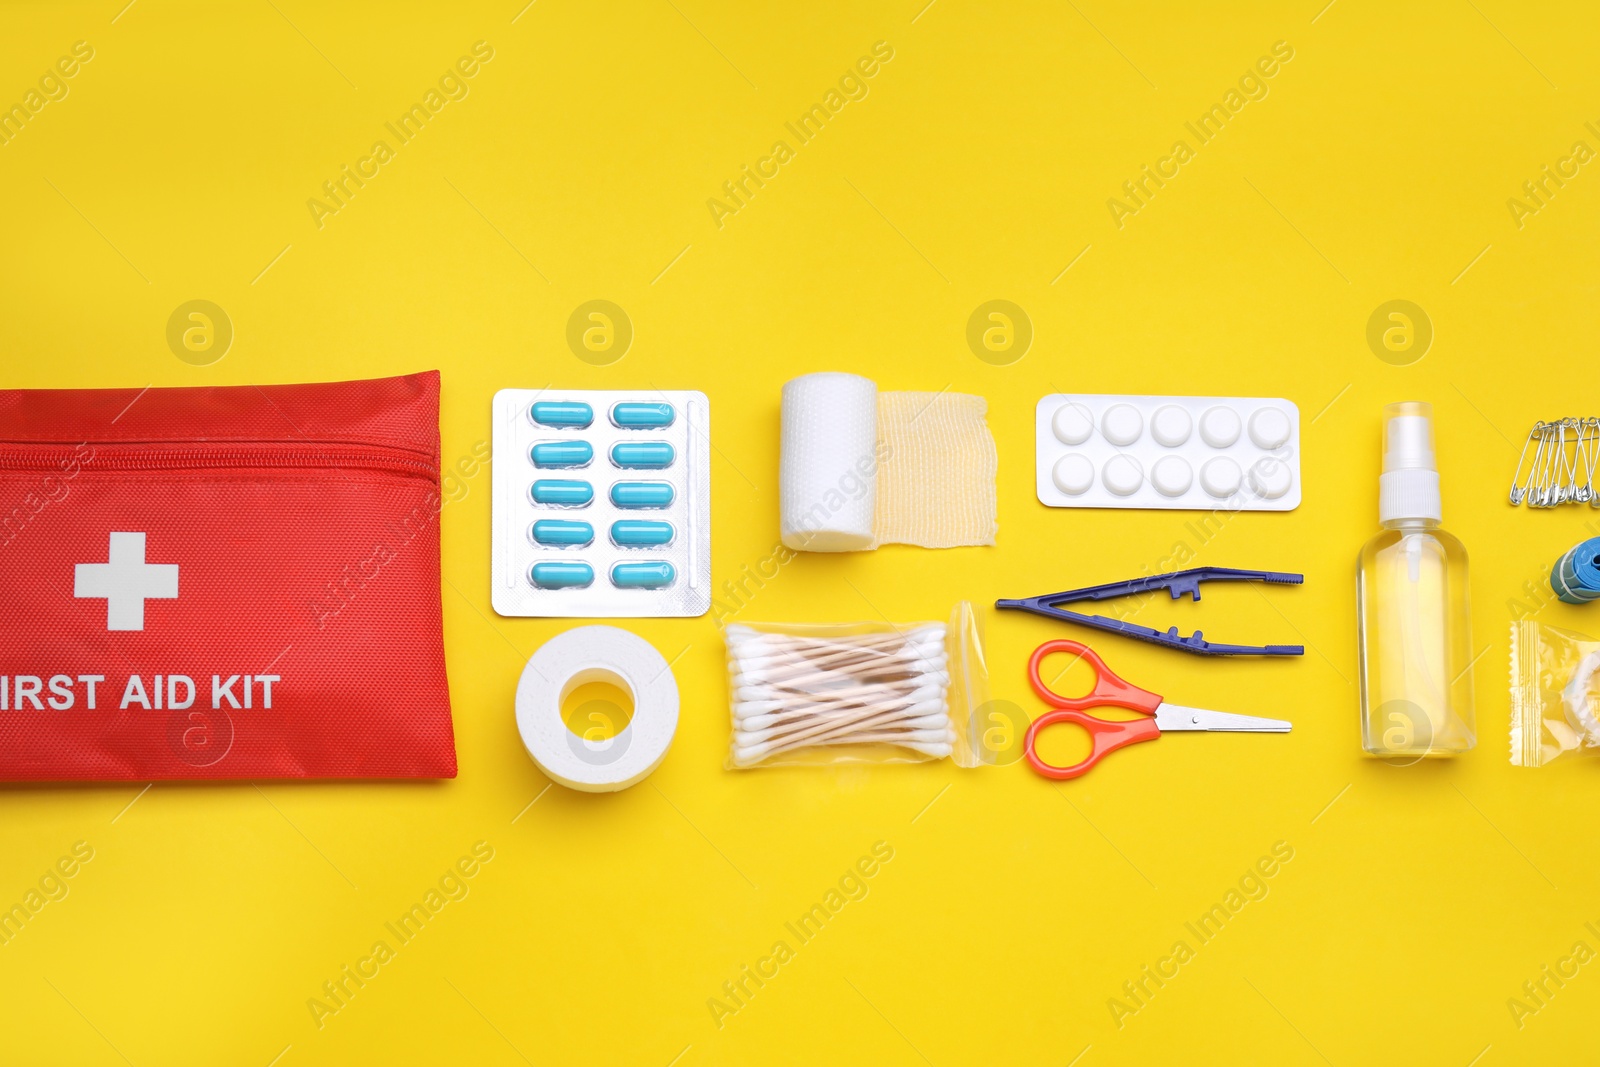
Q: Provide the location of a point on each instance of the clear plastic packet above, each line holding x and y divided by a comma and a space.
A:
1555, 694
863, 692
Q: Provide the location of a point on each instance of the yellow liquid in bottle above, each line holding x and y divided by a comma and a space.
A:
1416, 643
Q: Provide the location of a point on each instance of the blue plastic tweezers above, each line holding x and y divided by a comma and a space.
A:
1178, 583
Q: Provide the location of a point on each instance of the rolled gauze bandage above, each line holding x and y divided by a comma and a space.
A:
828, 463
861, 468
1575, 698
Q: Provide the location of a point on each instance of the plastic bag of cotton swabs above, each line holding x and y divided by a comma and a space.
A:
856, 692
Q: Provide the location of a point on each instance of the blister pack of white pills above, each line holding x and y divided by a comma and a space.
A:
1109, 450
602, 503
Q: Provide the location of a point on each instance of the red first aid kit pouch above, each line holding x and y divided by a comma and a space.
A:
223, 582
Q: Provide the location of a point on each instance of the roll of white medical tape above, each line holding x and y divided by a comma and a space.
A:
828, 464
584, 655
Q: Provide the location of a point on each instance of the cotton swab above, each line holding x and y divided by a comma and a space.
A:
798, 691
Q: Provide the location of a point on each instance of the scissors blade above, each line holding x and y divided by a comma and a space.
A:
1178, 717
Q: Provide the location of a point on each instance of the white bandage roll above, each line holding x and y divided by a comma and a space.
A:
828, 463
597, 654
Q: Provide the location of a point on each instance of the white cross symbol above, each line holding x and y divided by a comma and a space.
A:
125, 581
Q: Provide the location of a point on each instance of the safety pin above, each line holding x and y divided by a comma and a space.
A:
1542, 479
1592, 424
1557, 436
1580, 461
1566, 475
1539, 477
1517, 494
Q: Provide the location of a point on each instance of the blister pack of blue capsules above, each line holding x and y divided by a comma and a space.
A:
602, 503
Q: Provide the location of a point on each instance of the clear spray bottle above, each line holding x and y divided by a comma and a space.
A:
1415, 637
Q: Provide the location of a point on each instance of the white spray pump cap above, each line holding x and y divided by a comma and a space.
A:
1409, 486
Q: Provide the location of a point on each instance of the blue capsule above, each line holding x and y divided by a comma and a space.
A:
571, 494
562, 532
642, 575
547, 575
636, 416
643, 455
641, 533
566, 413
642, 494
555, 454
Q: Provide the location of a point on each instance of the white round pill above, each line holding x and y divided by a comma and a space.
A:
1269, 427
1170, 425
1072, 424
1270, 478
1219, 427
1073, 473
1172, 476
1122, 424
1220, 477
1122, 475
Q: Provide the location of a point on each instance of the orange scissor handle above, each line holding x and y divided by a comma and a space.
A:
1105, 737
1108, 688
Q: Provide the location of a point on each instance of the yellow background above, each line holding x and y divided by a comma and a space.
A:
978, 167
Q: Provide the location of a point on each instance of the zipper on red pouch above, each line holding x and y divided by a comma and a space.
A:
57, 456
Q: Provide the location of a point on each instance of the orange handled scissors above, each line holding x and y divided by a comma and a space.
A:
1108, 735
